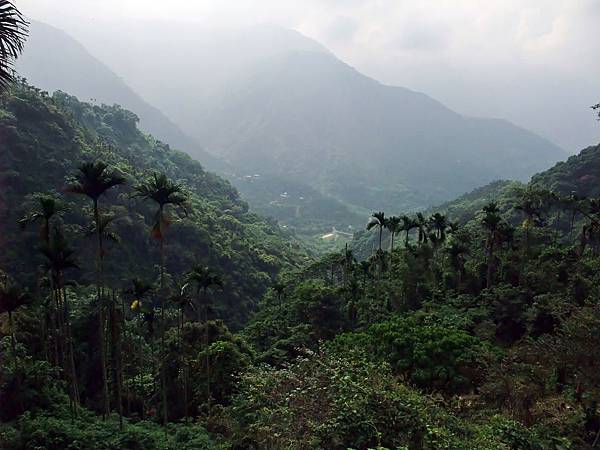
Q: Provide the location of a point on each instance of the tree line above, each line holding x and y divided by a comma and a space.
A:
148, 309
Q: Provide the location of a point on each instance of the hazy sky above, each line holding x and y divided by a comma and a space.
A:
534, 62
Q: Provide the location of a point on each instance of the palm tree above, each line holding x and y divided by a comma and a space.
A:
345, 260
377, 220
439, 223
408, 224
393, 226
422, 225
530, 205
457, 249
590, 232
59, 258
491, 222
163, 192
13, 32
204, 278
48, 206
93, 180
365, 270
182, 300
573, 202
138, 290
115, 319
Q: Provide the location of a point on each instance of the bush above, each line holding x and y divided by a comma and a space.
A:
88, 432
325, 400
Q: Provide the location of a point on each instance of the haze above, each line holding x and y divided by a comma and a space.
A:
531, 62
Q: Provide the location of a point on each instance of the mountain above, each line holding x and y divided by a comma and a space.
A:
53, 60
579, 175
44, 139
310, 117
274, 102
75, 70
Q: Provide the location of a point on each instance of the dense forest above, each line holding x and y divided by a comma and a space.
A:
143, 306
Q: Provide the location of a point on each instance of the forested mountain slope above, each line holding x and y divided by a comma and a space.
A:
576, 177
480, 333
579, 175
490, 301
44, 139
313, 118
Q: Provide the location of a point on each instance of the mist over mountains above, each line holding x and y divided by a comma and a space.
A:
271, 102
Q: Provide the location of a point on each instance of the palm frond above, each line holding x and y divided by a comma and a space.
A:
13, 33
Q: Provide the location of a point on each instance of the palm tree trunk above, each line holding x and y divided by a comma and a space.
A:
163, 375
141, 376
207, 361
73, 372
100, 294
392, 250
380, 235
184, 364
527, 244
61, 328
53, 326
125, 350
116, 347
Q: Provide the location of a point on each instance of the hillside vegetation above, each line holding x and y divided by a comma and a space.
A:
45, 139
472, 326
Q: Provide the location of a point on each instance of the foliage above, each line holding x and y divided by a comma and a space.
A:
86, 431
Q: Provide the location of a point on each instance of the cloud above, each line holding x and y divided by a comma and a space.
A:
342, 28
422, 38
504, 58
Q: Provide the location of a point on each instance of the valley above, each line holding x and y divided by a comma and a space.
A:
231, 239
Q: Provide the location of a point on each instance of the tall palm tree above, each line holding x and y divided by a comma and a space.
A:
95, 179
115, 320
182, 300
139, 290
163, 192
408, 224
530, 205
457, 249
204, 278
590, 232
377, 220
573, 202
47, 207
439, 223
492, 223
393, 226
13, 32
421, 225
60, 257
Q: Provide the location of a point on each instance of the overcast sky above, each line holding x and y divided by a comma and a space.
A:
534, 62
